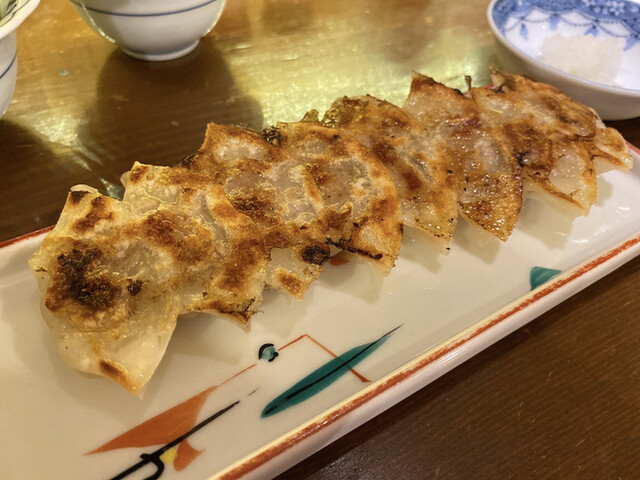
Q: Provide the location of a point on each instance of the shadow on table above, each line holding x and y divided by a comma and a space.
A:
156, 112
284, 17
32, 192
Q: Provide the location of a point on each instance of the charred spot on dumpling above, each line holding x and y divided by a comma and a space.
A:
272, 135
137, 173
95, 292
99, 210
134, 287
187, 161
113, 371
79, 278
316, 255
76, 196
347, 244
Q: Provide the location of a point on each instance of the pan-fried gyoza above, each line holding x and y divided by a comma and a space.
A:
423, 175
248, 210
277, 193
555, 139
115, 275
224, 268
489, 182
361, 204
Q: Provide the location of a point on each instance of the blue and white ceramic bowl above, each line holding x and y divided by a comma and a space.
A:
152, 29
590, 49
17, 11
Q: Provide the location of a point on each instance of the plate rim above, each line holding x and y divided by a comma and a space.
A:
447, 355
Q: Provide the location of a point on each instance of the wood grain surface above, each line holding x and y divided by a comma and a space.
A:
559, 398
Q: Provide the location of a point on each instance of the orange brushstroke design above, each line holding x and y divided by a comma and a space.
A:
306, 335
186, 455
166, 427
163, 428
180, 419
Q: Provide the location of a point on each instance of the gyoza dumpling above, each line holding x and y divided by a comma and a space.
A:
423, 176
555, 139
279, 195
110, 299
556, 112
114, 276
361, 205
489, 183
609, 149
221, 250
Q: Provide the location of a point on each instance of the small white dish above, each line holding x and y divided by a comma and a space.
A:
155, 30
597, 41
9, 23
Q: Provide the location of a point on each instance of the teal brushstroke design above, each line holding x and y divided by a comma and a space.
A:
322, 377
540, 275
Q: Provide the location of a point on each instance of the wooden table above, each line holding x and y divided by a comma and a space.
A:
558, 398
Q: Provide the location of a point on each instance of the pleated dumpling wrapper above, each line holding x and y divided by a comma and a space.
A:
221, 250
277, 193
113, 280
489, 178
423, 175
558, 142
361, 205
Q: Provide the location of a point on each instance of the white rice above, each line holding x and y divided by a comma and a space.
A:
588, 57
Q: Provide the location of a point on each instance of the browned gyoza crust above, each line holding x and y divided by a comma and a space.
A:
489, 183
220, 249
279, 195
361, 205
209, 232
555, 139
115, 275
424, 178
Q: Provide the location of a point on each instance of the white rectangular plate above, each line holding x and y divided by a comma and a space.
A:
234, 404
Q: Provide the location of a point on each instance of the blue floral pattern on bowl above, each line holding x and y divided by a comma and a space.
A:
615, 18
